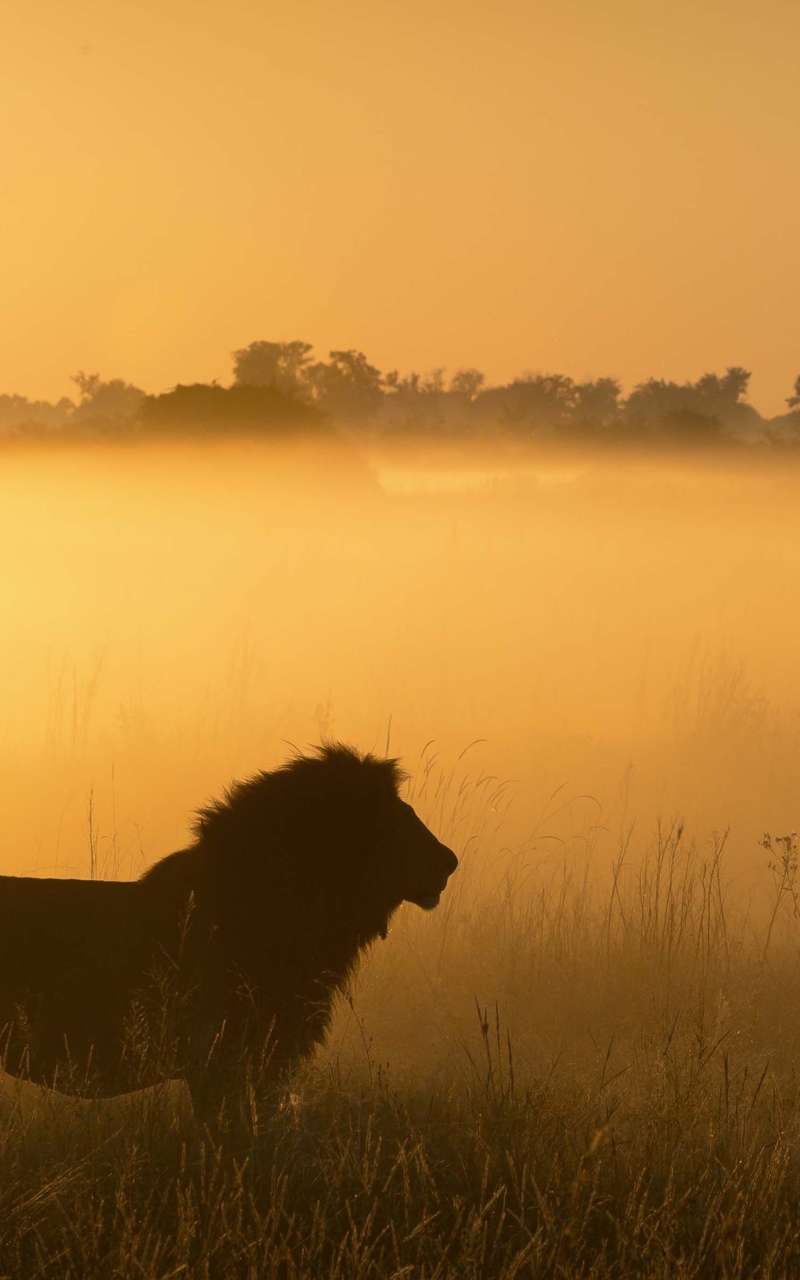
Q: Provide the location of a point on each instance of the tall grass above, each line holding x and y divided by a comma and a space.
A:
563, 1073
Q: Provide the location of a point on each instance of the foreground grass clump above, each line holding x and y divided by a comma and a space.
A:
612, 1092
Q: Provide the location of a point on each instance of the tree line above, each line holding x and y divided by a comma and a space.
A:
279, 388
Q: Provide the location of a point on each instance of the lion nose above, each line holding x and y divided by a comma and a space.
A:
449, 858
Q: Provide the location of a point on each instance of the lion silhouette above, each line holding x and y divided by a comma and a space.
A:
228, 951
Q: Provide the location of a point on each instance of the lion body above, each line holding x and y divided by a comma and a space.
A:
230, 949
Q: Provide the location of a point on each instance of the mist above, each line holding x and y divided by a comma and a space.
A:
611, 639
586, 662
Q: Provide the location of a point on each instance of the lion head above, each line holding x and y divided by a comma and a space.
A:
329, 830
423, 864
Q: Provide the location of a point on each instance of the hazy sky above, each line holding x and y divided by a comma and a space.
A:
587, 186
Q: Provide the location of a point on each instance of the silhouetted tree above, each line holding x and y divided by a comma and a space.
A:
467, 382
541, 403
729, 389
105, 407
785, 428
411, 384
348, 387
420, 402
433, 382
87, 383
699, 410
209, 409
273, 364
657, 408
20, 416
595, 406
532, 402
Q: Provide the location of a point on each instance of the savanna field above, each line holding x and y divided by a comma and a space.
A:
584, 1062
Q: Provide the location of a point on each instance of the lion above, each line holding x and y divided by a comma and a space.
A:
228, 952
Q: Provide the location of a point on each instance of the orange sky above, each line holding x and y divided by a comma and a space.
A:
590, 187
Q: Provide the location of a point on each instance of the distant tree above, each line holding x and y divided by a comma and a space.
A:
657, 408
423, 403
111, 406
730, 389
464, 382
596, 405
348, 386
693, 410
785, 428
537, 402
273, 364
20, 416
404, 408
209, 409
87, 383
467, 382
433, 382
410, 385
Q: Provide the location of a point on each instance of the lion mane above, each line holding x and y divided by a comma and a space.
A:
244, 937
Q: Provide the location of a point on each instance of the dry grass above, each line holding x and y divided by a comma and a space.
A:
565, 1076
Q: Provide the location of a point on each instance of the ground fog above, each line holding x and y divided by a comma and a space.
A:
585, 1061
622, 634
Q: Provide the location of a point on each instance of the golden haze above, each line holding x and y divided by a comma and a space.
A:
172, 616
589, 189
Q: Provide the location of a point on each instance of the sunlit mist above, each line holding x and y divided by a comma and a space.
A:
620, 633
